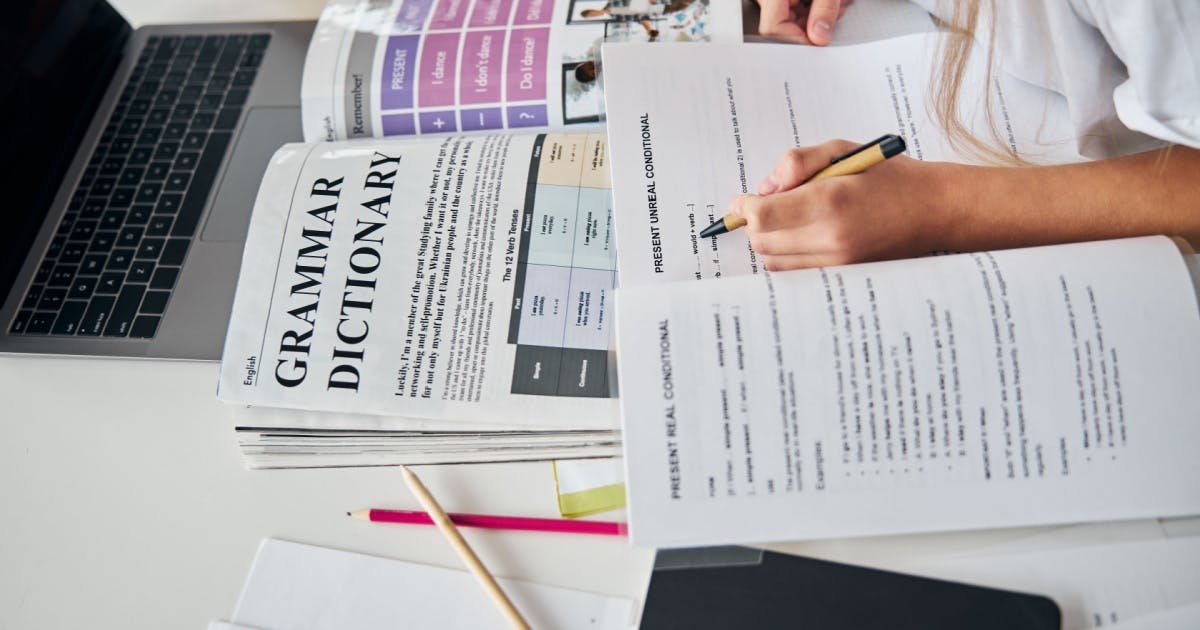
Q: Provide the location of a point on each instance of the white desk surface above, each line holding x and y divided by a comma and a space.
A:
125, 504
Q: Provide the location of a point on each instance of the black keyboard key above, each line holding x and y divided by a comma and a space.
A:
164, 278
52, 298
174, 131
92, 264
155, 302
103, 186
243, 78
140, 155
258, 41
56, 246
112, 220
83, 230
93, 208
237, 40
121, 197
159, 225
129, 237
119, 260
130, 126
202, 181
157, 171
150, 135
252, 59
166, 48
121, 146
145, 326
139, 106
183, 113
174, 77
227, 62
140, 271
110, 282
166, 98
112, 165
219, 82
138, 215
211, 101
97, 315
88, 177
47, 267
63, 275
190, 94
21, 323
190, 42
236, 96
203, 121
72, 252
131, 176
31, 298
124, 311
67, 322
228, 118
168, 203
166, 151
83, 287
149, 88
186, 160
194, 140
158, 116
148, 193
177, 181
40, 323
150, 248
174, 251
210, 49
103, 241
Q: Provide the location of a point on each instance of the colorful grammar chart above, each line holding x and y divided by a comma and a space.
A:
566, 270
471, 54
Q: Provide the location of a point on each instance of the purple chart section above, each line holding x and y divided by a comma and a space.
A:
481, 67
481, 119
526, 70
399, 61
439, 68
438, 122
533, 12
411, 17
527, 116
489, 13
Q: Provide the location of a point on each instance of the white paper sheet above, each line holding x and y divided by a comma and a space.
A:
690, 127
293, 586
1021, 387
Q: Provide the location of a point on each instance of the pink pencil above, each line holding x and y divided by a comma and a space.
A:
495, 522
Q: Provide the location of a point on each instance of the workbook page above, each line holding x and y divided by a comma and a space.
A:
1021, 387
691, 127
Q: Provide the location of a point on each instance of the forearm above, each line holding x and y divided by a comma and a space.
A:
1156, 192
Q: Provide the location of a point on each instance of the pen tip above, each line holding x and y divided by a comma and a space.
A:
718, 227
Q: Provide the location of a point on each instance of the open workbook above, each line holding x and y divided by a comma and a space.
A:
1020, 387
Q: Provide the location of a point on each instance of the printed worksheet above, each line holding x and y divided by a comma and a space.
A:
1020, 387
693, 126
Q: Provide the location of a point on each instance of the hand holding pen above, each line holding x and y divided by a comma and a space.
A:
804, 216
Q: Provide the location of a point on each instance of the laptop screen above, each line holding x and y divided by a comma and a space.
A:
56, 59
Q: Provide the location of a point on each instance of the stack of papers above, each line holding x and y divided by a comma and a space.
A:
289, 438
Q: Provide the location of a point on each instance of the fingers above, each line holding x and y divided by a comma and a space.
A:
778, 20
821, 17
797, 165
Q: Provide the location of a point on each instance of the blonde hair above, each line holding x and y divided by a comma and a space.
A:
945, 88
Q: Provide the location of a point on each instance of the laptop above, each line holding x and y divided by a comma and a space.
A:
130, 167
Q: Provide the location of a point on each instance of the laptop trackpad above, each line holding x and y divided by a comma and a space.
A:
265, 130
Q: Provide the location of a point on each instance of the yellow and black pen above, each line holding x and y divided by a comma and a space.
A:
856, 161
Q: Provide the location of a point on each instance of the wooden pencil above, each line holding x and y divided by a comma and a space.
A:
464, 550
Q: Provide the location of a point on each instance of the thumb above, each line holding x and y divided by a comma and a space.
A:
796, 166
821, 16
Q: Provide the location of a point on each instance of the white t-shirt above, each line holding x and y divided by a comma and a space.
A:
1129, 69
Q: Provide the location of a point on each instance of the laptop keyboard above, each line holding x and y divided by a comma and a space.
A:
112, 264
